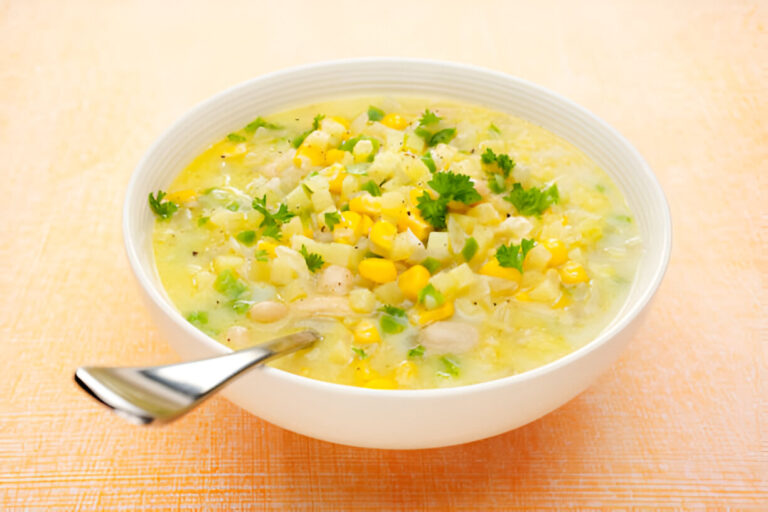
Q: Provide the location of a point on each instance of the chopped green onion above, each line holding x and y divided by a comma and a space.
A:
375, 114
470, 249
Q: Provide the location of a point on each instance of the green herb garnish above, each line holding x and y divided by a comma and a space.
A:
307, 190
246, 237
504, 162
228, 284
534, 200
331, 219
470, 249
451, 366
392, 310
391, 325
202, 221
235, 137
314, 261
372, 188
451, 187
416, 351
315, 126
429, 161
375, 114
431, 297
360, 353
198, 318
493, 128
163, 209
512, 256
431, 264
260, 122
272, 221
260, 255
428, 118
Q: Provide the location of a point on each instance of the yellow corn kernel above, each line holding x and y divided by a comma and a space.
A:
427, 316
350, 223
365, 203
564, 300
342, 121
523, 297
412, 281
269, 247
378, 270
334, 156
573, 273
311, 153
181, 196
366, 223
381, 383
336, 182
558, 251
492, 268
383, 234
363, 372
410, 219
405, 371
394, 121
309, 233
366, 333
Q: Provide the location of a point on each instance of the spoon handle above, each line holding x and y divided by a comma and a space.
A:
163, 393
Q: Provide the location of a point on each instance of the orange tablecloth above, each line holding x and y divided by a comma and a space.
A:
679, 421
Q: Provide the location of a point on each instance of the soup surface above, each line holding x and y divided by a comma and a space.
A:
432, 243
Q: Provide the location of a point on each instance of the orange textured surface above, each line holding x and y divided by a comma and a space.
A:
678, 422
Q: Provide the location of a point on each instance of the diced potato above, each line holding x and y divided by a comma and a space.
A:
537, 258
439, 246
389, 293
224, 262
485, 213
322, 200
280, 272
548, 290
298, 200
333, 253
362, 300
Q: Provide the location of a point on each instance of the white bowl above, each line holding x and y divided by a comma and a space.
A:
401, 418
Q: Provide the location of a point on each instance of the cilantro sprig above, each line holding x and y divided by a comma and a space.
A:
450, 187
163, 209
331, 219
532, 201
272, 221
260, 122
503, 163
512, 256
314, 261
433, 138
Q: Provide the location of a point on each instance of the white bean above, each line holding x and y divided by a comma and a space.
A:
323, 305
237, 335
448, 337
268, 311
335, 279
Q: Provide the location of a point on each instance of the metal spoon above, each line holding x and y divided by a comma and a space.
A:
163, 393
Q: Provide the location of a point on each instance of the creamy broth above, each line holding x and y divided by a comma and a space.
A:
432, 243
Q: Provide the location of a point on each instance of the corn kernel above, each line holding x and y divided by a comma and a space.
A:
523, 297
378, 270
427, 316
342, 121
573, 273
493, 269
363, 372
381, 383
348, 231
310, 154
181, 196
558, 251
365, 203
334, 156
413, 280
410, 219
383, 234
366, 223
269, 247
394, 121
309, 233
366, 333
564, 300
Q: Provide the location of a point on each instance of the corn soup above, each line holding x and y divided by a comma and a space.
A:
431, 243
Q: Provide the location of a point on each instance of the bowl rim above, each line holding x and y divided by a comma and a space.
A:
635, 308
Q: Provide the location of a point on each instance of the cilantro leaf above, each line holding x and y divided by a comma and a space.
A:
375, 114
235, 137
260, 122
428, 118
350, 144
246, 237
392, 310
260, 255
416, 351
493, 128
504, 162
272, 231
198, 318
315, 126
433, 210
455, 187
470, 248
429, 161
512, 256
372, 188
163, 209
496, 183
534, 200
316, 121
331, 219
360, 353
314, 261
443, 136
